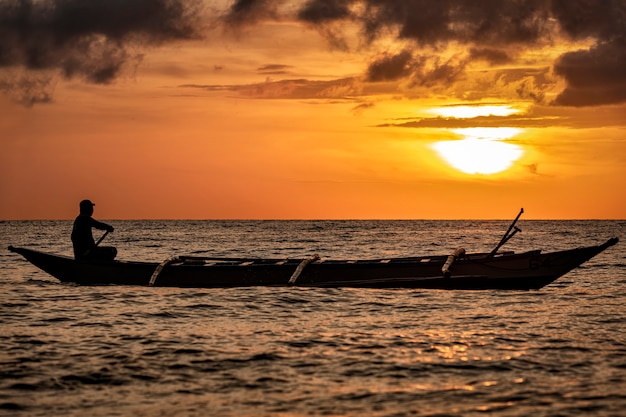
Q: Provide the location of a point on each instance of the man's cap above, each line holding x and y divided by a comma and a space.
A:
86, 204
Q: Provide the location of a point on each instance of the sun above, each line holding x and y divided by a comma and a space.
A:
482, 151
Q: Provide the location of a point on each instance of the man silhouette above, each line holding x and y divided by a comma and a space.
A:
82, 238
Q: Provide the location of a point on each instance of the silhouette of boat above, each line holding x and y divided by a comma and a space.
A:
458, 271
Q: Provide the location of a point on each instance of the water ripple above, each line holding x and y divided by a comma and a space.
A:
134, 351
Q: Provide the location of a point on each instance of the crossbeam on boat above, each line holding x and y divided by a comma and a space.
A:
162, 265
301, 267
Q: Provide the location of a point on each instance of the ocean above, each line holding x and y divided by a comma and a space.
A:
70, 350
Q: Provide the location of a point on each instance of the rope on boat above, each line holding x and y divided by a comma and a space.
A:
301, 267
459, 252
160, 268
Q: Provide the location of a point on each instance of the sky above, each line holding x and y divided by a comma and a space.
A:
313, 109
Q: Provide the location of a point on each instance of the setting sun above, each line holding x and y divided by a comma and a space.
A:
482, 151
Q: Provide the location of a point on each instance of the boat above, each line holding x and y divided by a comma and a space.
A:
456, 271
505, 270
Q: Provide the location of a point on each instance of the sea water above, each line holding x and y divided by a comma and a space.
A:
68, 350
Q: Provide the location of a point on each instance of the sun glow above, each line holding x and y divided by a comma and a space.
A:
482, 151
469, 112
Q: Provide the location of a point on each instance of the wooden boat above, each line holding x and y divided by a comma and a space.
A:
495, 270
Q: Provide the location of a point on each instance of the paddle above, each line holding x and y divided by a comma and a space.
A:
102, 237
506, 236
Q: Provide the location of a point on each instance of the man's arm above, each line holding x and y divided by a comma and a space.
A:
101, 226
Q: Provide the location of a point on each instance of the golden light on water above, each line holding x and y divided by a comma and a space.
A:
482, 151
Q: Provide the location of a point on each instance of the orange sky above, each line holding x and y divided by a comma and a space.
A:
313, 109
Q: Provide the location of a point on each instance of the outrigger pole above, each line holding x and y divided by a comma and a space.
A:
508, 235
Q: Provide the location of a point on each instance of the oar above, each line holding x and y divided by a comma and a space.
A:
506, 236
102, 237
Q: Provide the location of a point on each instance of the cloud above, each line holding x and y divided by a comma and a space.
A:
243, 13
594, 76
487, 22
423, 70
95, 40
533, 168
362, 107
494, 30
26, 89
99, 40
391, 67
320, 11
345, 88
492, 55
480, 121
533, 117
581, 19
274, 69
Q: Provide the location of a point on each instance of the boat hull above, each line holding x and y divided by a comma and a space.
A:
505, 271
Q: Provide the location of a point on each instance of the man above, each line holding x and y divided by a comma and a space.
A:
82, 238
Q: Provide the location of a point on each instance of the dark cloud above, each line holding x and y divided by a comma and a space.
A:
492, 29
594, 76
440, 72
97, 40
362, 107
491, 55
92, 39
423, 71
345, 88
245, 12
274, 69
591, 18
321, 11
27, 89
489, 22
528, 90
391, 67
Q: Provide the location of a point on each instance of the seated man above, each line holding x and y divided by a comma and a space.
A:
82, 239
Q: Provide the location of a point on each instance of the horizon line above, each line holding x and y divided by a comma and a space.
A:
324, 219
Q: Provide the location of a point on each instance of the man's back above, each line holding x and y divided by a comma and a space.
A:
82, 238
